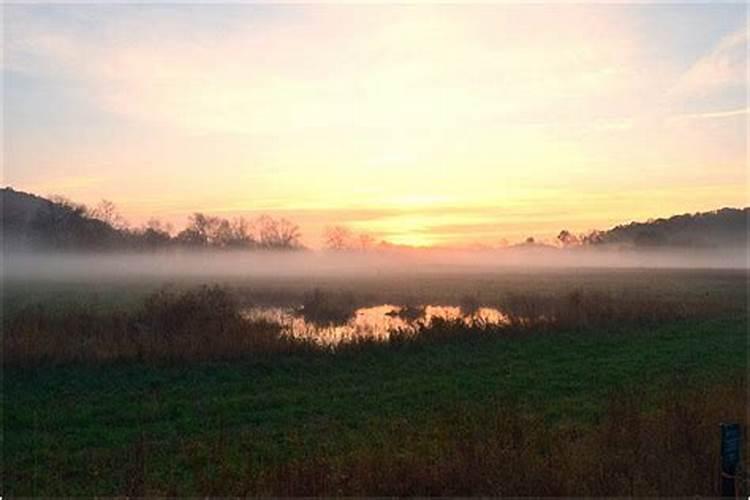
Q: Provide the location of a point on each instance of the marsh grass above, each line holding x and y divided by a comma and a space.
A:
198, 324
206, 323
585, 310
459, 415
441, 408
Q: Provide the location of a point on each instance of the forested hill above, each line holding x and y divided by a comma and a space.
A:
29, 221
32, 222
727, 227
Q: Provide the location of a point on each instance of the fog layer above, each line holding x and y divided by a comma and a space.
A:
27, 265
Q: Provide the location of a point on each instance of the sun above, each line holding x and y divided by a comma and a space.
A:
418, 240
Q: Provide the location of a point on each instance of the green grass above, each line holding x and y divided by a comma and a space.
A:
441, 288
73, 429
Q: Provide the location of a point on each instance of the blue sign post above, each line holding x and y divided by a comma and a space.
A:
731, 437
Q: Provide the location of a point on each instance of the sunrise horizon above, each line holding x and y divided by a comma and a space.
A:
430, 125
312, 240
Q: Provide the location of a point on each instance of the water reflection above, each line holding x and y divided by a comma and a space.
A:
371, 322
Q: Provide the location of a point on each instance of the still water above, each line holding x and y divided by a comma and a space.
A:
370, 322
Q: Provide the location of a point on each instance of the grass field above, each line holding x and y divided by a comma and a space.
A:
448, 287
410, 418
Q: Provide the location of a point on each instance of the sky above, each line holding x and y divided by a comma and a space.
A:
424, 125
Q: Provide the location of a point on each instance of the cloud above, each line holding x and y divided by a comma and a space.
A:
723, 67
712, 115
340, 68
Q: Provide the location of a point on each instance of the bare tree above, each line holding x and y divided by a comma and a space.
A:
289, 234
277, 233
337, 238
106, 211
242, 236
221, 235
158, 226
366, 242
217, 232
154, 234
199, 231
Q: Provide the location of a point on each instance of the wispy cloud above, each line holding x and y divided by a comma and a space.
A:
338, 68
710, 115
724, 66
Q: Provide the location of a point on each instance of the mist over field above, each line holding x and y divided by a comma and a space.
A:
208, 264
61, 239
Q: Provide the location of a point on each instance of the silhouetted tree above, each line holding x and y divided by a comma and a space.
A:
277, 233
67, 207
106, 211
154, 235
342, 238
241, 234
63, 224
199, 231
221, 235
366, 242
337, 238
158, 226
594, 237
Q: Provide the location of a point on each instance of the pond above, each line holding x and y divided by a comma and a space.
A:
369, 322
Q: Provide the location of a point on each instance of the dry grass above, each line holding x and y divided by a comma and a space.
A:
198, 324
595, 313
588, 310
206, 324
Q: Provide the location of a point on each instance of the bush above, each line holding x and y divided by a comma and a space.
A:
197, 324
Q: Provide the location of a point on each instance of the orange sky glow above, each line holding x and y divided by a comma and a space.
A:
422, 125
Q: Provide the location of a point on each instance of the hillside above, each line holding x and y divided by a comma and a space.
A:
30, 221
727, 227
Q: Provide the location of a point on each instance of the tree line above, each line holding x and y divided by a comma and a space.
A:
61, 224
206, 231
